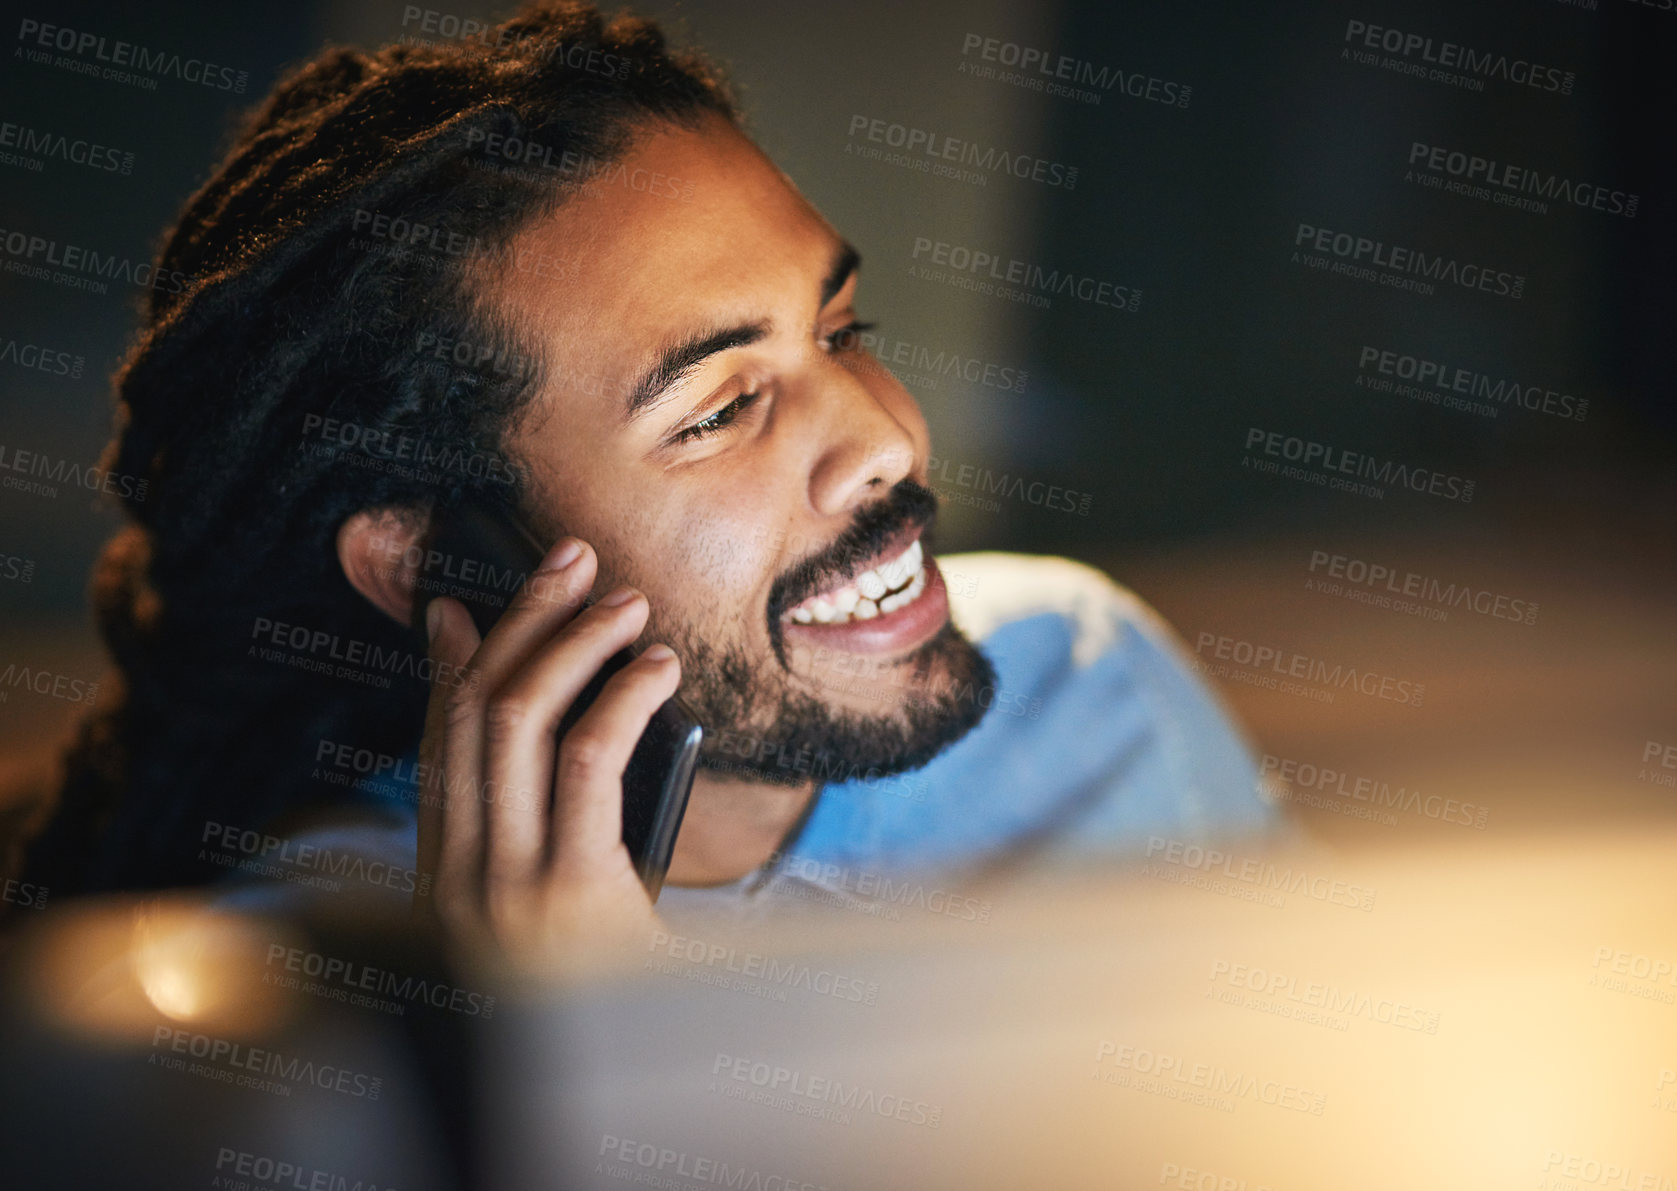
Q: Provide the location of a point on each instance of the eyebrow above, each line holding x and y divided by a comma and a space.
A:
846, 262
684, 358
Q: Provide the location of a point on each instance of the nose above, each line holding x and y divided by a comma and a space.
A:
866, 440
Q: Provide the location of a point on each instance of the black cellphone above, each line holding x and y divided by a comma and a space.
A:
483, 556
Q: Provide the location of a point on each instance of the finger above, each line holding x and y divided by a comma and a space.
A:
549, 598
588, 778
450, 755
520, 723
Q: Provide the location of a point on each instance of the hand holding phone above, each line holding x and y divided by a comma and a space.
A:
523, 823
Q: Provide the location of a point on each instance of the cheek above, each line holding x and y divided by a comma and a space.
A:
701, 575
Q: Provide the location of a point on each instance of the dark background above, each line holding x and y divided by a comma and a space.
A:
1145, 412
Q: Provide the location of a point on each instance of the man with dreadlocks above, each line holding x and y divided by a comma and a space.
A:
548, 270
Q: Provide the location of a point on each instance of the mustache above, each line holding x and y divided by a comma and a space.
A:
908, 505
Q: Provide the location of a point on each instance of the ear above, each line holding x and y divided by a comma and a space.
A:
381, 552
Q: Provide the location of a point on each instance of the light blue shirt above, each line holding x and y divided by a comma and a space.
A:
1098, 737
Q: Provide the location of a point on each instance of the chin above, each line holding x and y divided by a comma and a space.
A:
896, 718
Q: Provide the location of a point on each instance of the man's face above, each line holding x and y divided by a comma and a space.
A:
708, 423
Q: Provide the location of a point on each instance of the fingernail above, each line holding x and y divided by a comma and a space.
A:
619, 597
565, 551
658, 653
433, 620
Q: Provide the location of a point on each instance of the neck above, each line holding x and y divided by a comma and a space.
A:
732, 826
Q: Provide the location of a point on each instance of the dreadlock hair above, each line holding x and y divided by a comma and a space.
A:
353, 225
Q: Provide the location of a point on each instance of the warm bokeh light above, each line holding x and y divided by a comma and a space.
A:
114, 968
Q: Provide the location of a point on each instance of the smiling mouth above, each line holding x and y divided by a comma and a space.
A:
880, 590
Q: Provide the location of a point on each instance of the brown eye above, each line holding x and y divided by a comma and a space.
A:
718, 421
847, 338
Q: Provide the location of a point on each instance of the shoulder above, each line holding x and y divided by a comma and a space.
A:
992, 591
1099, 733
1100, 657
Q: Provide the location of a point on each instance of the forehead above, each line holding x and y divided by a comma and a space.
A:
688, 230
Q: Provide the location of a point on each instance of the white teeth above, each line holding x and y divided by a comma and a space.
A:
896, 572
907, 595
904, 577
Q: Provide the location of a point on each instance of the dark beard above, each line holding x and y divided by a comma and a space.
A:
929, 700
759, 726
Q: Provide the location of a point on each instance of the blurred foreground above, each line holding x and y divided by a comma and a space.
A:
1497, 1015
